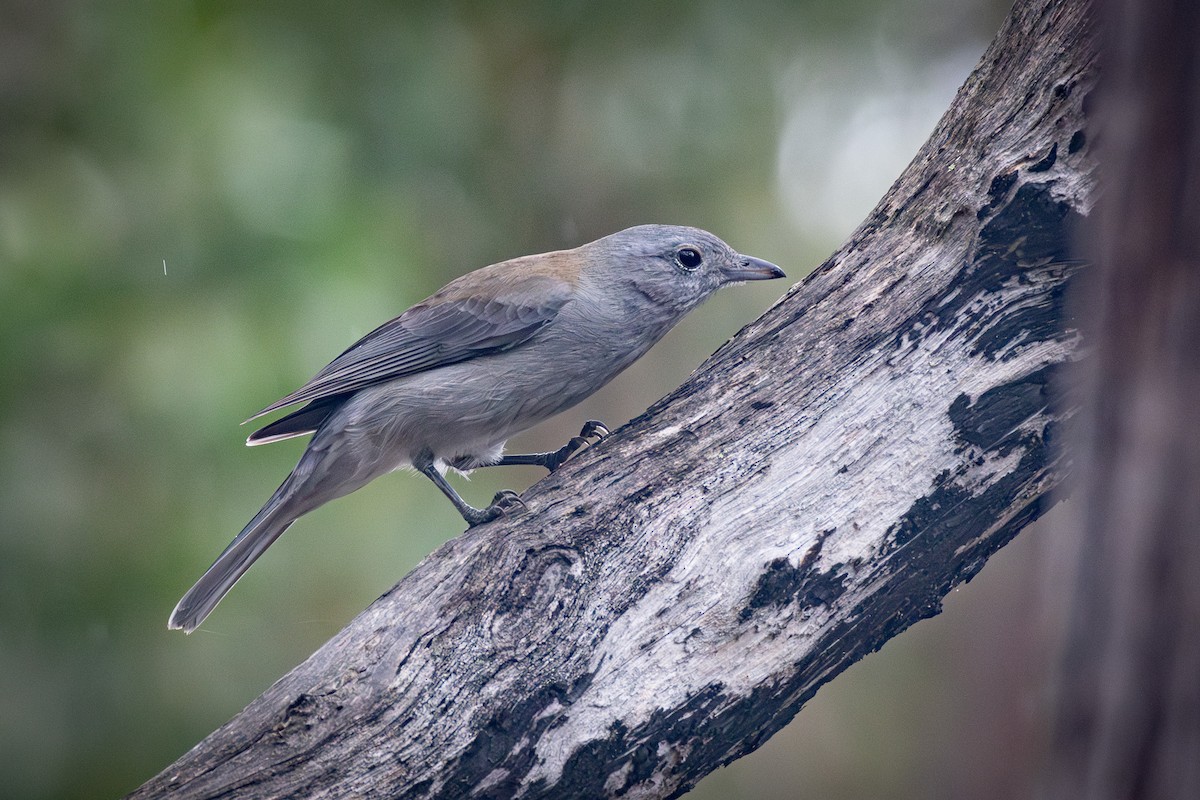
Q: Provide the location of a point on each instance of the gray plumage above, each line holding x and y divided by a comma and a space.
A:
494, 352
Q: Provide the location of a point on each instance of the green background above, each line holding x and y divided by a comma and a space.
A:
202, 203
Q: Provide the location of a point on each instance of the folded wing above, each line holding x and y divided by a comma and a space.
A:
442, 330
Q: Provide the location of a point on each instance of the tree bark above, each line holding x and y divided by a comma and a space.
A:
1129, 711
674, 595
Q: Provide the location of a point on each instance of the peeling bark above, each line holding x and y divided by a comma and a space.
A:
674, 595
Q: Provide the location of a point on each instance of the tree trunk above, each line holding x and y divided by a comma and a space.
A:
1129, 711
674, 595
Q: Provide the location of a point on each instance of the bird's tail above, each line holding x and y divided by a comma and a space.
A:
268, 525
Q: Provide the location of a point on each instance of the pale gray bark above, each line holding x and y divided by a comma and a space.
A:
675, 594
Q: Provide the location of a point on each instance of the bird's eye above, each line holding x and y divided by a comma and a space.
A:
688, 257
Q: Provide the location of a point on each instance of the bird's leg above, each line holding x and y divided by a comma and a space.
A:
502, 502
592, 429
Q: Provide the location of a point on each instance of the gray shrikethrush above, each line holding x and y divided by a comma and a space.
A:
496, 351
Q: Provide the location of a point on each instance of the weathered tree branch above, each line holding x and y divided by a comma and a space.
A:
676, 594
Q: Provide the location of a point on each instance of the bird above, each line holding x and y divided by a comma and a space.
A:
494, 352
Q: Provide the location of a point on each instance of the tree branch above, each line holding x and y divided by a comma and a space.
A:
676, 594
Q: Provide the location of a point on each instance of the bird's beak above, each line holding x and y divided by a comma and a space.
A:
748, 268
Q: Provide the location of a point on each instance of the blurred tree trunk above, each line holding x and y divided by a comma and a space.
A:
674, 595
1129, 714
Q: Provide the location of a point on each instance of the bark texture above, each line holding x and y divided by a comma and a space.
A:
1129, 712
675, 595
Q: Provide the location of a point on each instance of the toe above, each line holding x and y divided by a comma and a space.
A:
507, 500
594, 428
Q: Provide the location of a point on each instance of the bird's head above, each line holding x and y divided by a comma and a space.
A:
671, 268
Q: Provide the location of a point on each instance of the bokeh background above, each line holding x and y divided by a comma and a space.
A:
201, 203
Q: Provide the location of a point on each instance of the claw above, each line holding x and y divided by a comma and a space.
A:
502, 503
591, 430
594, 428
507, 500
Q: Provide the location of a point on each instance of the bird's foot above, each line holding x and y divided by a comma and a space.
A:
503, 503
591, 433
594, 429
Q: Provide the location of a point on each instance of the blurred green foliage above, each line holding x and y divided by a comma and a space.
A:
203, 202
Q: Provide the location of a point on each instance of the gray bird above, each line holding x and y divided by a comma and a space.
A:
494, 352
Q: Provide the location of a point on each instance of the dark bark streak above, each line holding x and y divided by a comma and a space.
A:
782, 584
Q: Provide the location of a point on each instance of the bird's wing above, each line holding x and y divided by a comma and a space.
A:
445, 329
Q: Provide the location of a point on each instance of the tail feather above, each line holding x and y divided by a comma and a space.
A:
267, 525
297, 423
